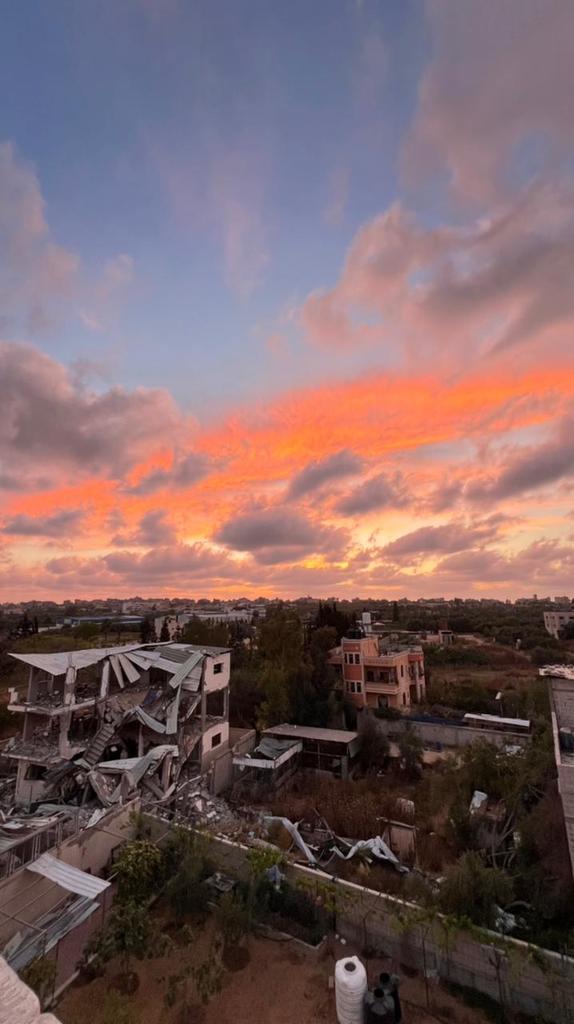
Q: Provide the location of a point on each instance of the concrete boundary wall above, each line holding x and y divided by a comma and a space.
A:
521, 977
451, 735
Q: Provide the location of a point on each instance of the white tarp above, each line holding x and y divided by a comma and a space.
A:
68, 877
376, 846
296, 836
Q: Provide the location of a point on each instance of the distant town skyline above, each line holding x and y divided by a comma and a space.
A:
286, 299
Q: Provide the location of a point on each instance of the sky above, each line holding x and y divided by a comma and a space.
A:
286, 298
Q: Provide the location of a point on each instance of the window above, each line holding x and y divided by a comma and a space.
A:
404, 698
357, 659
215, 740
402, 671
217, 668
359, 687
370, 676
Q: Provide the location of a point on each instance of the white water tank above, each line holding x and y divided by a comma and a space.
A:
350, 990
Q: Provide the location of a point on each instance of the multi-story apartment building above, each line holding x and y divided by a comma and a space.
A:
554, 621
561, 680
378, 674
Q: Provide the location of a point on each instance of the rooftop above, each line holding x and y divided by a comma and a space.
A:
162, 655
312, 733
558, 671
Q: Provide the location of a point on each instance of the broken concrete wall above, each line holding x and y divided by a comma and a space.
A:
91, 850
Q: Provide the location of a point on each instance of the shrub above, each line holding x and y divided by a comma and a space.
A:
473, 890
138, 869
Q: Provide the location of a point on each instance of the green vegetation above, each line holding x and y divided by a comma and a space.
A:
287, 677
473, 890
138, 869
186, 867
40, 975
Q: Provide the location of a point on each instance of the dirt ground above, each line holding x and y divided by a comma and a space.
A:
282, 984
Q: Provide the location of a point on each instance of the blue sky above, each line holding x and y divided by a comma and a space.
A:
138, 117
249, 244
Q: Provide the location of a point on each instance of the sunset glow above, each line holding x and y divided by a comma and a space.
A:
259, 338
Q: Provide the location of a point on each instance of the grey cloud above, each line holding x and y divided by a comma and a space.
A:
493, 82
381, 491
154, 530
279, 535
35, 273
445, 496
451, 537
175, 564
58, 524
530, 469
544, 562
315, 474
177, 560
185, 472
50, 424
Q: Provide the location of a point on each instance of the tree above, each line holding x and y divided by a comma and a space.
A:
281, 638
471, 889
411, 753
138, 868
396, 612
329, 616
147, 631
40, 976
545, 655
164, 635
208, 633
185, 891
87, 630
276, 707
129, 932
374, 749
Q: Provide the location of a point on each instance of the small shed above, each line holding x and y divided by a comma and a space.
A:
327, 750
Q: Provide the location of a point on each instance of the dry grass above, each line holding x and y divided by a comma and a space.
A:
354, 809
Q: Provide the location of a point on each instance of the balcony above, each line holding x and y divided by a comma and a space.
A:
380, 687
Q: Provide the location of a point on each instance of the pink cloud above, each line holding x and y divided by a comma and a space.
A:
501, 75
455, 294
51, 428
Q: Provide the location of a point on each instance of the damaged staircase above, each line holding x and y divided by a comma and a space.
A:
93, 753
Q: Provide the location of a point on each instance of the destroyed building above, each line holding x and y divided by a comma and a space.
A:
99, 721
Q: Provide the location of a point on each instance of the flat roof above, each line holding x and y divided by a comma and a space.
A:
309, 732
558, 671
524, 723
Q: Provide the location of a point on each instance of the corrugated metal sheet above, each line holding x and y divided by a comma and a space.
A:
68, 877
49, 929
58, 664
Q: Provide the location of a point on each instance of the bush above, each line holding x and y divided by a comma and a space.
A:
138, 869
472, 890
374, 749
393, 714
